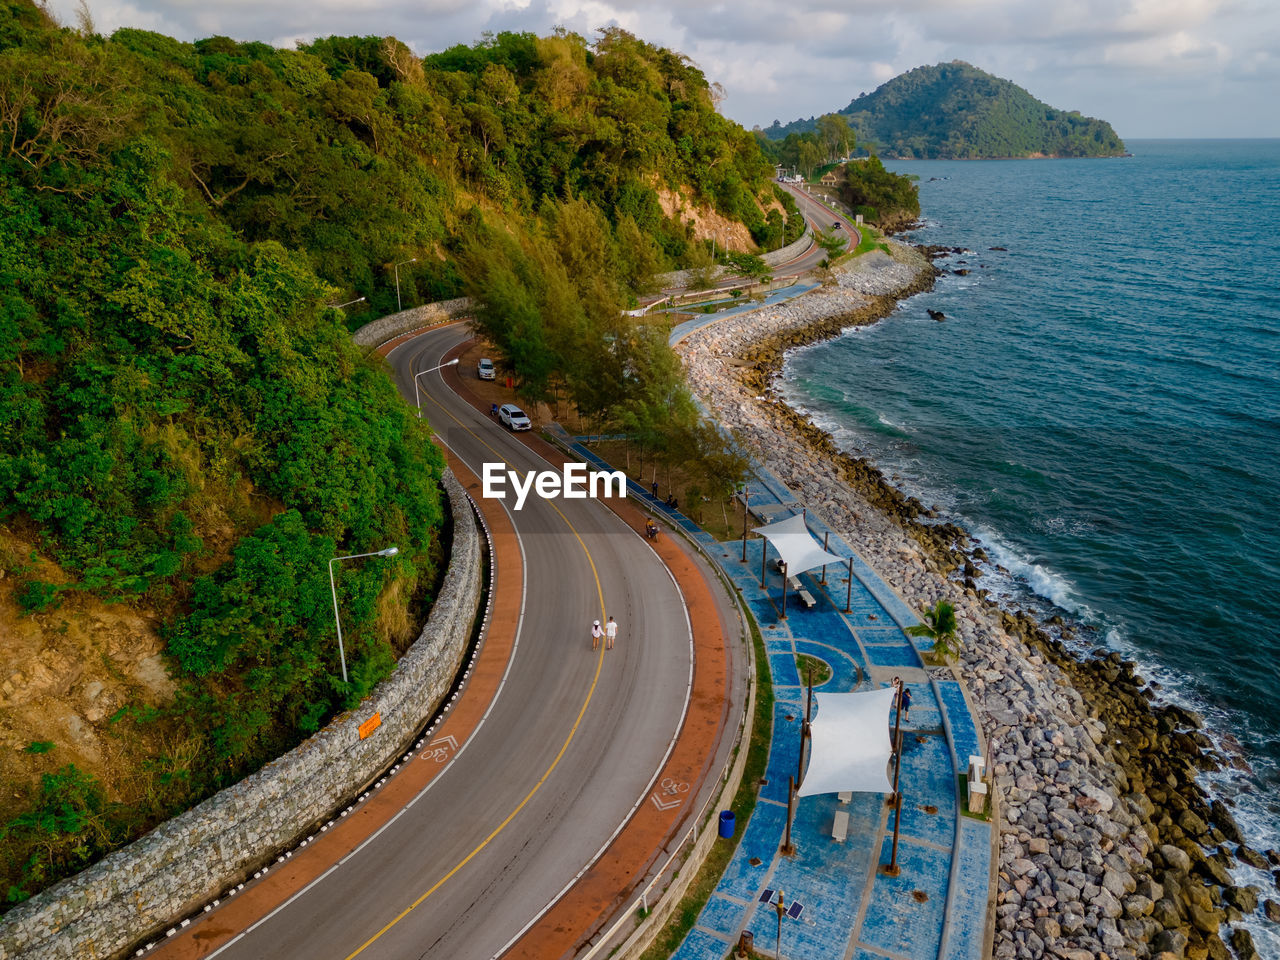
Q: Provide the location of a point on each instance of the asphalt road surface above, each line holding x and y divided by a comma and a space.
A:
570, 745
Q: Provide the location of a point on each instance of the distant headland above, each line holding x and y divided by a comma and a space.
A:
956, 111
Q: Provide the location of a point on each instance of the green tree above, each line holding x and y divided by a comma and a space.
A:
70, 824
940, 626
835, 135
701, 266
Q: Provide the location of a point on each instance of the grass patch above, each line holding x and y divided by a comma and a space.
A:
744, 802
871, 239
821, 669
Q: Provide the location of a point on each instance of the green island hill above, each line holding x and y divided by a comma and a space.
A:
957, 111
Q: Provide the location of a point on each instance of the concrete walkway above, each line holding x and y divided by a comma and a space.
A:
937, 907
733, 308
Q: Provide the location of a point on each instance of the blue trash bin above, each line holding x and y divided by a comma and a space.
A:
726, 824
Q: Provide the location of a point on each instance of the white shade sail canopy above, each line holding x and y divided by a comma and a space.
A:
795, 545
850, 744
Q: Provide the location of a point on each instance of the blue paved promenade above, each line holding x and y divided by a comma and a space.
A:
936, 907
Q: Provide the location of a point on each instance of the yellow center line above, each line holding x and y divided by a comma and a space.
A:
564, 747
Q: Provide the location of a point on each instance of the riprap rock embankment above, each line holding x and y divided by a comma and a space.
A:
1108, 845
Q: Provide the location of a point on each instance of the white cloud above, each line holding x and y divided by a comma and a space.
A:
1120, 59
1178, 51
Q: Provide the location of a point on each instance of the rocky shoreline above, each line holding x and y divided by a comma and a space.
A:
1109, 847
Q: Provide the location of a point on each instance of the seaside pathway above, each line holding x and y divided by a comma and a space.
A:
938, 906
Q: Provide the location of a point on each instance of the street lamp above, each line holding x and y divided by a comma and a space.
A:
389, 552
339, 306
417, 402
397, 270
781, 907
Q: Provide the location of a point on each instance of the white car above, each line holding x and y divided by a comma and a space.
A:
485, 370
514, 417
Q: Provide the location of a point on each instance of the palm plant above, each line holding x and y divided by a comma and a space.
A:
940, 626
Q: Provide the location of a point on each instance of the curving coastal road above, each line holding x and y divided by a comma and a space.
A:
568, 750
820, 217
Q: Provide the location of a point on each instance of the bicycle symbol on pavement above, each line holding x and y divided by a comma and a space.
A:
668, 794
439, 750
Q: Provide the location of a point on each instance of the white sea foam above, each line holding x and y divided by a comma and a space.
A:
1033, 576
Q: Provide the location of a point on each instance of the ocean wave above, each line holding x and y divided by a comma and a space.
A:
1031, 575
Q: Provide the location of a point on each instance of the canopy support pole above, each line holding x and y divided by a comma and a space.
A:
788, 849
895, 799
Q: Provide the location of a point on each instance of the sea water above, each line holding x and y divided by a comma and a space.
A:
1101, 407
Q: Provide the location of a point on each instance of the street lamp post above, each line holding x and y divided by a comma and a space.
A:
418, 402
781, 907
339, 306
388, 552
397, 270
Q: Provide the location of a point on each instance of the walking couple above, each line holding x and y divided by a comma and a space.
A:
609, 632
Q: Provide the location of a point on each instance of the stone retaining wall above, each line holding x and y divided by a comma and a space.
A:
680, 278
793, 249
186, 861
379, 331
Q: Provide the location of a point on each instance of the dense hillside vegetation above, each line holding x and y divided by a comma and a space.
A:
956, 110
185, 427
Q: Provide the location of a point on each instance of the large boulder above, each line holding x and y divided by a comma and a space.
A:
1170, 941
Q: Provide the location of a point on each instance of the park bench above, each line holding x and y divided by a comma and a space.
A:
840, 828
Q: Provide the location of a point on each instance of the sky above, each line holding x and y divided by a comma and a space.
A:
1152, 68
